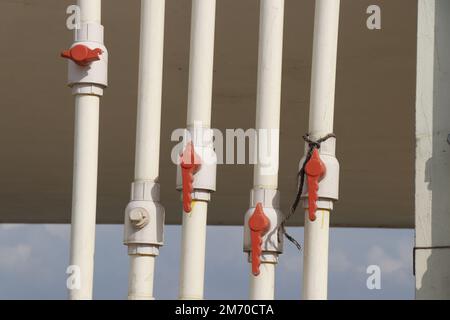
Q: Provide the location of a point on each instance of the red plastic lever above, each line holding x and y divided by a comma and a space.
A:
190, 163
82, 55
315, 169
258, 224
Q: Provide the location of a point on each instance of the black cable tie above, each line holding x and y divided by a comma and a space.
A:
301, 176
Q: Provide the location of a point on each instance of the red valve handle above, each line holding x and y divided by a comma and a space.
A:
190, 163
315, 169
259, 224
82, 55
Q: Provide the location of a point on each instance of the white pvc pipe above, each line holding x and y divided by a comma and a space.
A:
84, 193
198, 114
140, 277
201, 61
323, 70
262, 287
149, 90
91, 11
84, 197
193, 242
270, 55
323, 79
265, 174
315, 257
141, 274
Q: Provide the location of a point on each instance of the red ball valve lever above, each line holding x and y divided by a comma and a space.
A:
315, 169
190, 164
259, 224
82, 55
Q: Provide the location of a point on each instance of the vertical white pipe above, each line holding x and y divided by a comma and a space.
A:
323, 79
201, 59
91, 11
193, 242
262, 286
149, 90
315, 258
140, 278
265, 174
141, 274
199, 113
270, 55
84, 193
84, 196
323, 70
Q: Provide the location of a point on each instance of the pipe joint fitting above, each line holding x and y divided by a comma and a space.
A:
204, 178
271, 240
328, 191
87, 61
144, 219
266, 257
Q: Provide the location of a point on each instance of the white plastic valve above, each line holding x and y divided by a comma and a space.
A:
329, 184
205, 177
144, 217
92, 78
272, 241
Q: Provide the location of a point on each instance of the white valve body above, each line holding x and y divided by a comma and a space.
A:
269, 199
145, 196
329, 184
205, 178
96, 73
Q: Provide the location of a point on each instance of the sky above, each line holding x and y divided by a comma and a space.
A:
34, 258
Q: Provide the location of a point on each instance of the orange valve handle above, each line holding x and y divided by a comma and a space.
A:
190, 164
315, 169
259, 224
82, 55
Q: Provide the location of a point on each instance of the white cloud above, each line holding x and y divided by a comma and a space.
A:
14, 257
6, 227
376, 255
396, 267
61, 231
340, 262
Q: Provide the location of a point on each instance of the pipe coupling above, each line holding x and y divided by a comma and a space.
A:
144, 219
328, 189
198, 142
271, 241
87, 61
